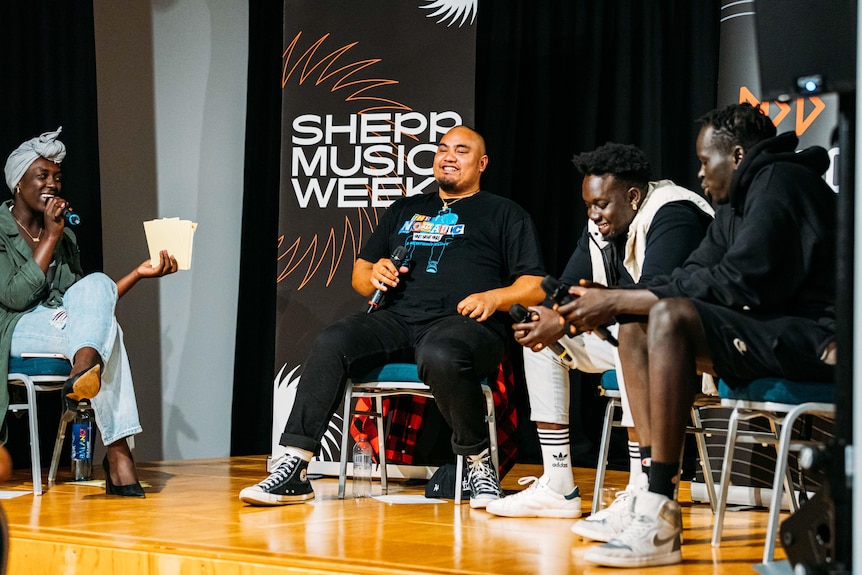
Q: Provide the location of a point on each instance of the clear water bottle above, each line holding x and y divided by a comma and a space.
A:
362, 465
82, 443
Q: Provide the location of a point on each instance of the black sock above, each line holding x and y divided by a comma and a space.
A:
663, 478
646, 458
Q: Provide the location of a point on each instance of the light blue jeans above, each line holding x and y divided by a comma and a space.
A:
87, 319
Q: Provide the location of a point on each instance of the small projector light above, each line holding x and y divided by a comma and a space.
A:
810, 84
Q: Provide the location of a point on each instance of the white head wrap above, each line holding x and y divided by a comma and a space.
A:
46, 146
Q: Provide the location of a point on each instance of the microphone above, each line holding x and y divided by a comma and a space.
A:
559, 292
397, 257
522, 315
72, 219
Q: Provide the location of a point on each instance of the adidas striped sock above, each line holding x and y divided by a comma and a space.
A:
635, 469
557, 459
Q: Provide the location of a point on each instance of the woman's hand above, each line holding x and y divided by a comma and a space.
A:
166, 264
53, 217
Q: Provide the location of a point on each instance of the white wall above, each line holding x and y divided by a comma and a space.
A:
171, 89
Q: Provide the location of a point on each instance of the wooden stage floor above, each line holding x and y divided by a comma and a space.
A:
193, 523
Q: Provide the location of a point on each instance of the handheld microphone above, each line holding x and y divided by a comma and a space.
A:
397, 258
72, 219
522, 315
559, 292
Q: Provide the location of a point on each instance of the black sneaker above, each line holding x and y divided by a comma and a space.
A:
287, 484
484, 485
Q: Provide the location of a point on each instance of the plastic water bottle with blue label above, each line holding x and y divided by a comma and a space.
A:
82, 444
362, 465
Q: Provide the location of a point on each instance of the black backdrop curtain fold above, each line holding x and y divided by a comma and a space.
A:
642, 73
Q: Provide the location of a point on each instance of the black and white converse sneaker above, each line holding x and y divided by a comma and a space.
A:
287, 484
482, 477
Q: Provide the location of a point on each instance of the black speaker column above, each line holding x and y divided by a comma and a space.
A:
808, 47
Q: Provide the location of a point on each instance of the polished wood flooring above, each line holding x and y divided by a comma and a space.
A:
193, 523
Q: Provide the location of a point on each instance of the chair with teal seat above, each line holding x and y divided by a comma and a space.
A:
37, 373
398, 379
781, 402
609, 388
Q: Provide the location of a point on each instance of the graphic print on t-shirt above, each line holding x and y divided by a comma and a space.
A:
433, 233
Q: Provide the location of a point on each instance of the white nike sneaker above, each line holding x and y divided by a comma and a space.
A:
537, 500
652, 538
610, 521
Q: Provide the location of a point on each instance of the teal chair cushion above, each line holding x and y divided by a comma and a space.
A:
779, 390
39, 365
391, 372
609, 381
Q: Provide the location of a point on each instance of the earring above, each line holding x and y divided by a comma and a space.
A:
634, 205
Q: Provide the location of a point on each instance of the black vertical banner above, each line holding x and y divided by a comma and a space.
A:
368, 89
757, 43
814, 118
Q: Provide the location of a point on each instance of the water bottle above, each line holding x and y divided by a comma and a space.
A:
362, 462
82, 443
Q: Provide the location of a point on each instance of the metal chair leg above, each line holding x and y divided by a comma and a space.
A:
345, 435
604, 449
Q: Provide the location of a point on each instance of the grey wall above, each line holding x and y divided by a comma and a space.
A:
171, 90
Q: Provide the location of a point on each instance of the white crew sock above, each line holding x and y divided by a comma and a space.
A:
635, 467
301, 453
557, 459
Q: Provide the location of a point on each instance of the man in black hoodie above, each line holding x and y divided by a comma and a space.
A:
755, 299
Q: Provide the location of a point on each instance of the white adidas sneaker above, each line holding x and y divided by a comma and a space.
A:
537, 500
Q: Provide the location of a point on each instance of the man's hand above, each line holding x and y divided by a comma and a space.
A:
546, 327
479, 306
384, 274
590, 307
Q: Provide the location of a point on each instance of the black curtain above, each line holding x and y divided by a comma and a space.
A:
642, 73
560, 78
251, 427
48, 66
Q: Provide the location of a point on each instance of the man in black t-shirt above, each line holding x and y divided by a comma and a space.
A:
470, 254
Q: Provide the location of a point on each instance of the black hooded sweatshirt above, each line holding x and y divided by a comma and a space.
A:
771, 248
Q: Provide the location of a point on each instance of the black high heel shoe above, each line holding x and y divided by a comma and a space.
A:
84, 385
130, 490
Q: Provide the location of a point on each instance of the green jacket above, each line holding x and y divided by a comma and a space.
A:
23, 285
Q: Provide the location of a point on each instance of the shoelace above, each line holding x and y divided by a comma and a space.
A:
281, 473
534, 484
482, 477
622, 498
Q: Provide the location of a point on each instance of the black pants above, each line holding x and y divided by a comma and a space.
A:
453, 354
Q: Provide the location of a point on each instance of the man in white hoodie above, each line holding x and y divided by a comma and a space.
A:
637, 229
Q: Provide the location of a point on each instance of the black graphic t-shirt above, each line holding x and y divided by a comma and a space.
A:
480, 243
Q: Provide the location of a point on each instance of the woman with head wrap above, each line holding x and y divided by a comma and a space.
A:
47, 305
